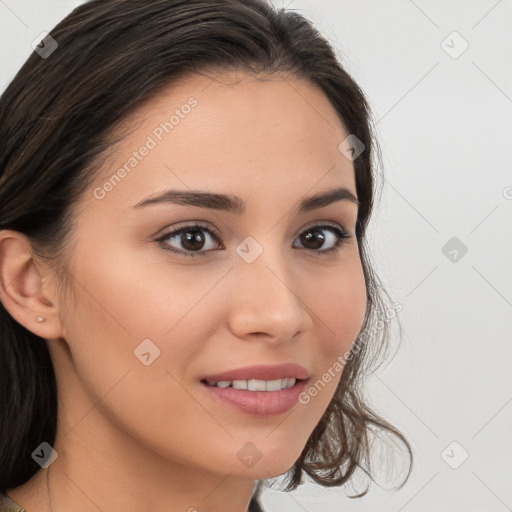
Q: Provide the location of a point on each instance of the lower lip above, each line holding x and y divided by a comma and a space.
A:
258, 403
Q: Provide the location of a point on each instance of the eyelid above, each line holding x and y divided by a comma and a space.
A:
188, 224
206, 225
323, 223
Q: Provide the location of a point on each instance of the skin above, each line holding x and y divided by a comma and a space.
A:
133, 437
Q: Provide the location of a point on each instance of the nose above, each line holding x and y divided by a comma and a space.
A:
268, 299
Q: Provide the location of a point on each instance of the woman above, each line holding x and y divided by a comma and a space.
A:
187, 302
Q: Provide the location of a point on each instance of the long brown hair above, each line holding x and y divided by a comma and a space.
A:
56, 118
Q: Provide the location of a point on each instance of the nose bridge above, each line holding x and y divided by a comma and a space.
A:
266, 299
263, 265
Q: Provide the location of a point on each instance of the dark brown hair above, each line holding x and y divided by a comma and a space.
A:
56, 121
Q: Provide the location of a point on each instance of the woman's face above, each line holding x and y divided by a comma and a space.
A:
247, 288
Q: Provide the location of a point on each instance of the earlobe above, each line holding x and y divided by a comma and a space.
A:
22, 290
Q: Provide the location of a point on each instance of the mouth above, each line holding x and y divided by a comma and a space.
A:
256, 397
266, 372
253, 384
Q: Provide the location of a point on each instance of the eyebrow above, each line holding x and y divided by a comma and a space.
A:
236, 205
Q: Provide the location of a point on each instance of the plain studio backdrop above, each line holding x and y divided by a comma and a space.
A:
439, 81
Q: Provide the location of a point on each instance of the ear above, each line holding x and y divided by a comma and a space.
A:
23, 290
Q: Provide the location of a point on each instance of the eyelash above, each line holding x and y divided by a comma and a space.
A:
341, 235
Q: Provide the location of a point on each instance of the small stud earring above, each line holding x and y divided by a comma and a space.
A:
40, 318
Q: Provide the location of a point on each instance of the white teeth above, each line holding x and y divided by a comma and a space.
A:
276, 385
256, 385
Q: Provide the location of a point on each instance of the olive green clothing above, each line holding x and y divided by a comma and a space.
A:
8, 505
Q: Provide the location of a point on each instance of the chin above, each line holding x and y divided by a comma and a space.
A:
271, 463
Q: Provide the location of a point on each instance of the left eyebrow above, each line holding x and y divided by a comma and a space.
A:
236, 205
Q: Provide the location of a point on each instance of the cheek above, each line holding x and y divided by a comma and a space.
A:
340, 306
338, 309
126, 295
111, 317
123, 301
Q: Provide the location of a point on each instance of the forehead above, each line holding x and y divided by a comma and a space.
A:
230, 131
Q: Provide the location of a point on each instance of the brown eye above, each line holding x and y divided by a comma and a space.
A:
314, 238
191, 238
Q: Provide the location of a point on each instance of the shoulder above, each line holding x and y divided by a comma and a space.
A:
8, 505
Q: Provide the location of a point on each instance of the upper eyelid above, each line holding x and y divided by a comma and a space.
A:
192, 224
214, 231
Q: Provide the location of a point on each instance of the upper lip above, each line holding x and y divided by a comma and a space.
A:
261, 372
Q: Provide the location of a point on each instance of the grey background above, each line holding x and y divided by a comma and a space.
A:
445, 129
